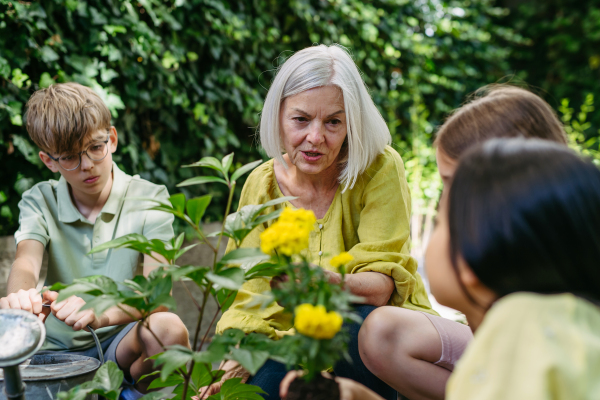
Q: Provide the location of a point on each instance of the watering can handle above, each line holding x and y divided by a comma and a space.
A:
96, 340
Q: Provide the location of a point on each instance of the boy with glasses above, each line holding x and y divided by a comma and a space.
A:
86, 207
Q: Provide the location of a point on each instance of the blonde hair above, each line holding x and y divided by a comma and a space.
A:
61, 116
499, 111
318, 66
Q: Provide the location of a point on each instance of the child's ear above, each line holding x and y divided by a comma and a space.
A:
468, 278
113, 139
474, 286
48, 161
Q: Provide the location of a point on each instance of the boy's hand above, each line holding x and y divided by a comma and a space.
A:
27, 300
68, 311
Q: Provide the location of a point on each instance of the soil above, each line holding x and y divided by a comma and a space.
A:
320, 388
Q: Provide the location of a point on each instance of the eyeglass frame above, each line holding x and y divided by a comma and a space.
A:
81, 152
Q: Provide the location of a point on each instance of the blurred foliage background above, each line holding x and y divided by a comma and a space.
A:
186, 79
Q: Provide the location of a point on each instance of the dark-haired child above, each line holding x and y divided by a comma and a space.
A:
516, 249
414, 352
67, 218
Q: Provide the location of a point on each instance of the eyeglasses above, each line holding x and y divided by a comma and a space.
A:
95, 152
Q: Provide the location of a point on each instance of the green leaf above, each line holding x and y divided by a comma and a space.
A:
251, 360
109, 377
231, 278
200, 180
226, 162
261, 270
196, 208
157, 396
124, 241
172, 359
244, 255
45, 80
179, 241
203, 376
244, 169
225, 297
209, 162
178, 202
172, 380
233, 389
95, 285
102, 303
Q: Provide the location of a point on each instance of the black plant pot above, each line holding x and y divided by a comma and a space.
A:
320, 388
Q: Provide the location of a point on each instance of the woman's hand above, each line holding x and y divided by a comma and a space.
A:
232, 370
349, 389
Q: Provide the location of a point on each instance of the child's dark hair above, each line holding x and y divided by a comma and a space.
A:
525, 216
499, 111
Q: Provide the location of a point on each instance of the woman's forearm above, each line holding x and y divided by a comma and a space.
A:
375, 288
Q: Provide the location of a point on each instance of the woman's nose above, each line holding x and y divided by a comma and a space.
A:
316, 134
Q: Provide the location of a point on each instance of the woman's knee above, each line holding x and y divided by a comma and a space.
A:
168, 328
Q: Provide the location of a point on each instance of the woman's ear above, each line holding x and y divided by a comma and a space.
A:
48, 161
113, 139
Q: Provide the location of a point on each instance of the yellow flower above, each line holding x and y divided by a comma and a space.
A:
341, 259
289, 235
316, 322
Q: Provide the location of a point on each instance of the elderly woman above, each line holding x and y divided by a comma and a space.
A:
330, 149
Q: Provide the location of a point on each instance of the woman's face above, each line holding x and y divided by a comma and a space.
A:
443, 280
313, 128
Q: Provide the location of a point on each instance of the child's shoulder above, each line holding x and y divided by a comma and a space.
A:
138, 186
42, 191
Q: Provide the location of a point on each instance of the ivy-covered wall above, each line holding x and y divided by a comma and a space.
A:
185, 79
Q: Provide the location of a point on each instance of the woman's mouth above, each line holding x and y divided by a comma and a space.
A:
91, 179
311, 155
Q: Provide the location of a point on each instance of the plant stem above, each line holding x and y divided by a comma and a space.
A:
214, 318
229, 200
190, 294
201, 234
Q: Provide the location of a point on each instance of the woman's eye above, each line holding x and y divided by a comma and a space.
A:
335, 121
300, 119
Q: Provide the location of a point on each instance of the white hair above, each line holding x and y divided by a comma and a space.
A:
318, 66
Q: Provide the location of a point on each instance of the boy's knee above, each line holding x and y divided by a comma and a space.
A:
168, 328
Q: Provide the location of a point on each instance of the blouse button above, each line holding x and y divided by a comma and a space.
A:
320, 226
320, 253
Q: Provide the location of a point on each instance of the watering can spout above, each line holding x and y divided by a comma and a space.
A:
21, 336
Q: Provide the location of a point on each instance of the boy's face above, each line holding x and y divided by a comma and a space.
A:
91, 177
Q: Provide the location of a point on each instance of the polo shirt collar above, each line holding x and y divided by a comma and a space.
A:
117, 193
68, 213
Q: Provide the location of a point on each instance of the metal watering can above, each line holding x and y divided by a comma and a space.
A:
41, 376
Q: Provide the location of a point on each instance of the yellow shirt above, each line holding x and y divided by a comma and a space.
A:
532, 347
370, 221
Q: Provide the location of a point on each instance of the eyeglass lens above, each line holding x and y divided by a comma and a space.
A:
96, 152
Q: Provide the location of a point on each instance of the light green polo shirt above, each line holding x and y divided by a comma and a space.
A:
49, 216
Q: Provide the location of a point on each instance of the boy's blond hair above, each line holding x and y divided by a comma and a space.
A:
60, 117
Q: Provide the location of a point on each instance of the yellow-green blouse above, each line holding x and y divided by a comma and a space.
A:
370, 221
532, 347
